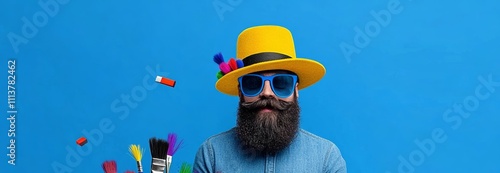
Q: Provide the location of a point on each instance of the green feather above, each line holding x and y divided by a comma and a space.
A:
219, 74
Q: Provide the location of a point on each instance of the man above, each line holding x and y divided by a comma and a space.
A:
267, 137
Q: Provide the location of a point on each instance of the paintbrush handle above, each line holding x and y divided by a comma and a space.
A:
158, 165
169, 162
139, 167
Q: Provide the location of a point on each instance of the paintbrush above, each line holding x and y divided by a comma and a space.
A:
109, 166
136, 152
172, 148
159, 148
185, 168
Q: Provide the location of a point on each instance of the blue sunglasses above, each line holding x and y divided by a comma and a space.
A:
282, 85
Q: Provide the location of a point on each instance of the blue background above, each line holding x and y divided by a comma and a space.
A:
373, 104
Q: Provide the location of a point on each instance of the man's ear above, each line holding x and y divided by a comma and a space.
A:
297, 89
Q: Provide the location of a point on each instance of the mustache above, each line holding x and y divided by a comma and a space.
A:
267, 103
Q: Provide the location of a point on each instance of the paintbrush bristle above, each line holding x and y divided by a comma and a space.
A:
158, 147
185, 168
173, 145
109, 166
136, 152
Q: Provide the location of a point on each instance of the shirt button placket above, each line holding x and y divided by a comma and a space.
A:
270, 164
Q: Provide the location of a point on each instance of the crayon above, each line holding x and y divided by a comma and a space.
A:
165, 81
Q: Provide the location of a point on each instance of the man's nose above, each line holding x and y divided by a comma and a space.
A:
267, 91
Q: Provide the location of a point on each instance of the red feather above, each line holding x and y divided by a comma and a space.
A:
232, 64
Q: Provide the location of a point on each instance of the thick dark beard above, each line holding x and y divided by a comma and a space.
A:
270, 132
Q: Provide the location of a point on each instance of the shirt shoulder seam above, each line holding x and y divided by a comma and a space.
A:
307, 133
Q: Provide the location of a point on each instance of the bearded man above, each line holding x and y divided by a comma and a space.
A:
267, 77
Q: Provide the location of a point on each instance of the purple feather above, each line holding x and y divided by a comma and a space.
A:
173, 145
218, 58
239, 63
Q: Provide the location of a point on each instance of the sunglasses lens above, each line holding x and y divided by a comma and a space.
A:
283, 85
251, 85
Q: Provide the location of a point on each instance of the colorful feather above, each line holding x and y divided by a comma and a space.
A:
224, 68
219, 75
232, 64
239, 62
186, 168
109, 166
218, 58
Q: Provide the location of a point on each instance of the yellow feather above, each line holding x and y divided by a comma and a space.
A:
136, 152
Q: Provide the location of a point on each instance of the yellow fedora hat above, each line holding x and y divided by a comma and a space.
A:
269, 47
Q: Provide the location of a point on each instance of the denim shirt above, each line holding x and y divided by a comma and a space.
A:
307, 153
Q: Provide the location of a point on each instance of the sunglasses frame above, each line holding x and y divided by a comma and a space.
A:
270, 79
